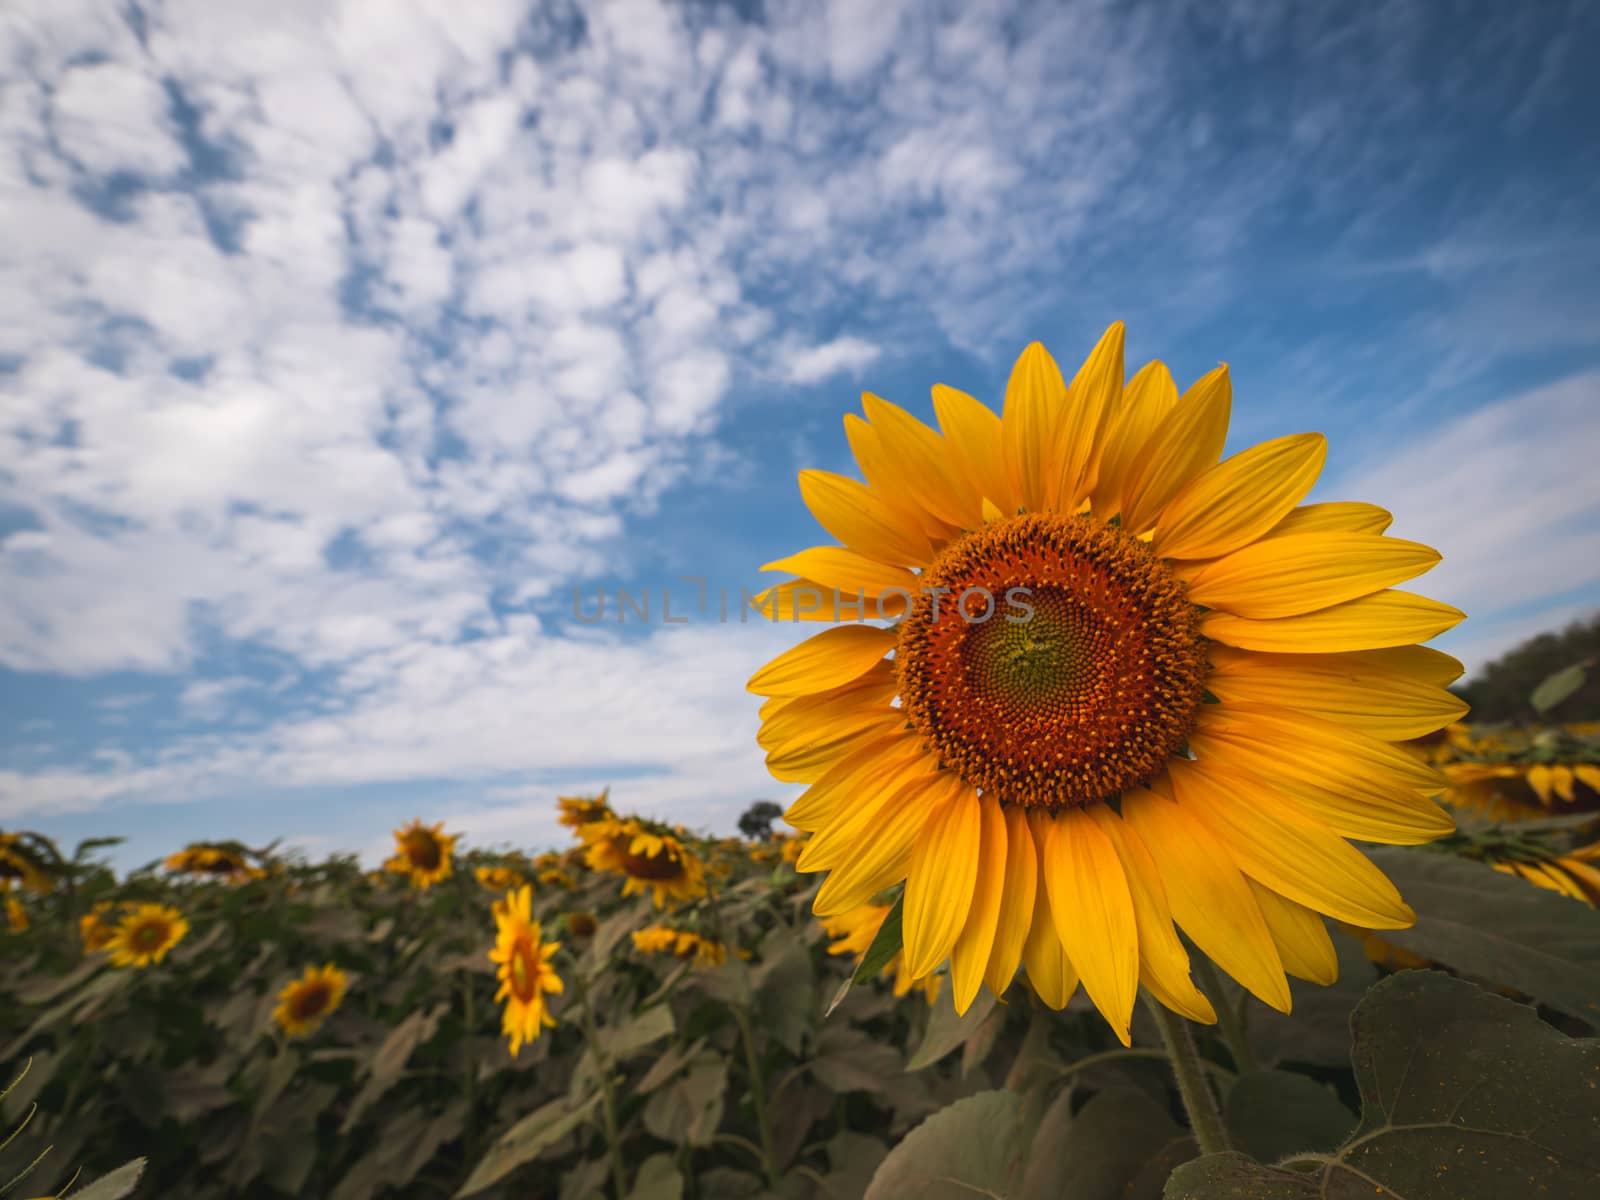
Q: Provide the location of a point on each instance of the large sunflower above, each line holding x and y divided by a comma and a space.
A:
1180, 704
145, 934
647, 858
422, 853
525, 971
305, 1003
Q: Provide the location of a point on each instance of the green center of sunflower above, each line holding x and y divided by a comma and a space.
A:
1056, 664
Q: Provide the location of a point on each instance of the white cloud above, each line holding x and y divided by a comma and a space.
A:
812, 364
112, 117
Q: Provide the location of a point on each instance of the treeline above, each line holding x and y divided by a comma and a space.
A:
1504, 690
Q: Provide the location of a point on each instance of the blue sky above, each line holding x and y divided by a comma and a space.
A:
340, 341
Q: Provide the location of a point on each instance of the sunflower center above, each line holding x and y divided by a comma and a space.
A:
1058, 665
524, 966
663, 866
311, 1000
424, 852
149, 937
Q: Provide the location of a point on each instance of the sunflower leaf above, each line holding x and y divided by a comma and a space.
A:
948, 1032
115, 1184
1465, 1096
525, 1140
973, 1147
1495, 927
1558, 687
1095, 1153
1273, 1114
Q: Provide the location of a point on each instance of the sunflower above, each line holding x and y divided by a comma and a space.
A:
422, 853
1571, 874
215, 862
581, 924
96, 928
16, 914
305, 1003
499, 879
145, 934
577, 811
1129, 685
681, 943
1520, 791
854, 932
525, 971
647, 858
556, 877
19, 865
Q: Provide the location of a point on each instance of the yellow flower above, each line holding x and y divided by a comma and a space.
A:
422, 853
1519, 791
499, 879
1571, 874
577, 811
681, 943
581, 924
16, 915
793, 848
556, 877
96, 928
145, 934
1130, 685
854, 932
648, 860
18, 865
217, 862
525, 971
305, 1003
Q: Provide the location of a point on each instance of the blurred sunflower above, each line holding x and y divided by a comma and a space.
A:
19, 865
1520, 791
1572, 874
681, 943
793, 848
16, 914
581, 924
854, 931
500, 879
648, 859
525, 971
1131, 685
577, 811
305, 1003
216, 862
145, 934
556, 877
97, 928
422, 853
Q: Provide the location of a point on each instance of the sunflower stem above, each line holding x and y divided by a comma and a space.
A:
608, 1093
1204, 1118
1230, 1017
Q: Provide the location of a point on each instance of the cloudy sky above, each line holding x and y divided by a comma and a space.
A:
341, 341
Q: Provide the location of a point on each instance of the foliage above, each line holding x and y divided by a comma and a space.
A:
1505, 689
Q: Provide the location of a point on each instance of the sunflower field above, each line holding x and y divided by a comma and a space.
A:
1182, 879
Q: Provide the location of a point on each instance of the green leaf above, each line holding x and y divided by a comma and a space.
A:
658, 1179
1273, 1114
785, 1000
690, 1108
114, 1186
1498, 928
890, 940
974, 1147
1558, 687
392, 1057
624, 1041
1095, 1154
1465, 1096
947, 1031
525, 1140
847, 1060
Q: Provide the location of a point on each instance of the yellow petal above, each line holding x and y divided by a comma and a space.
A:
1284, 577
871, 810
1016, 902
1538, 777
851, 573
833, 657
1036, 395
970, 955
921, 465
808, 760
1588, 776
972, 440
1346, 688
1293, 855
1209, 896
878, 764
1186, 443
1050, 971
1146, 401
944, 871
884, 859
1340, 755
808, 600
1163, 962
1415, 662
1561, 782
851, 512
1236, 501
1093, 396
785, 719
1301, 937
1094, 915
1336, 516
887, 475
1388, 618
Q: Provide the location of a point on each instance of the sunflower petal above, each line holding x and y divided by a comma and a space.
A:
887, 474
1209, 895
1384, 619
1016, 902
972, 440
851, 512
1148, 398
826, 660
971, 953
1094, 914
1093, 396
939, 888
852, 574
1035, 397
1186, 443
921, 465
1301, 937
1232, 504
1284, 577
883, 860
1050, 971
879, 764
1336, 516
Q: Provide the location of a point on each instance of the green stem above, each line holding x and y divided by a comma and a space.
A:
469, 1132
608, 1093
758, 1095
1198, 1102
1230, 1019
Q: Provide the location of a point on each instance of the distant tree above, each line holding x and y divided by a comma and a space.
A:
756, 822
1502, 691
